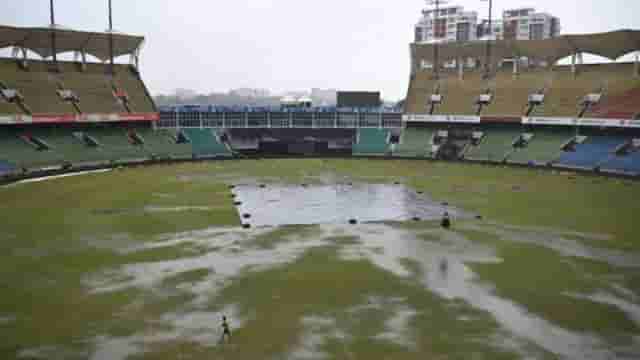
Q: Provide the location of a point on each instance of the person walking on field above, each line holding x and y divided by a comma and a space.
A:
226, 333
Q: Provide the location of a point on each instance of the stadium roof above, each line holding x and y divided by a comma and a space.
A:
38, 40
611, 45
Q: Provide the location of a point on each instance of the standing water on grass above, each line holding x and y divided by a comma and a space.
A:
335, 203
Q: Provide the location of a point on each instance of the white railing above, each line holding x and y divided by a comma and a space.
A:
279, 120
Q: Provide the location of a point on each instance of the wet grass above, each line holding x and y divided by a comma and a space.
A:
274, 236
56, 233
542, 280
321, 284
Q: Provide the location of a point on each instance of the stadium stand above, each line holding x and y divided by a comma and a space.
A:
591, 152
618, 106
163, 143
37, 85
94, 88
371, 142
544, 147
68, 142
628, 163
115, 143
511, 93
6, 167
564, 91
414, 142
205, 142
496, 144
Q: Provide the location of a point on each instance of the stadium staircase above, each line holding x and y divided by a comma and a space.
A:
543, 148
414, 142
591, 152
371, 142
495, 145
205, 142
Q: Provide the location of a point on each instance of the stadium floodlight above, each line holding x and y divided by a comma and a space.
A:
54, 49
110, 39
490, 32
436, 62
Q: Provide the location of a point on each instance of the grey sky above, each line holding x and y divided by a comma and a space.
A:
209, 45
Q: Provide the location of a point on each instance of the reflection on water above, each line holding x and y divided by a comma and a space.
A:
440, 255
336, 203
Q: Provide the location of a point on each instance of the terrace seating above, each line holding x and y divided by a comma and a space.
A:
70, 147
205, 142
460, 95
19, 152
6, 167
94, 88
511, 94
544, 147
618, 106
496, 145
37, 85
116, 144
126, 78
563, 91
629, 163
371, 142
591, 152
162, 143
414, 142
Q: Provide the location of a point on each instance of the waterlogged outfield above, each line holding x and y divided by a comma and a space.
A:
58, 234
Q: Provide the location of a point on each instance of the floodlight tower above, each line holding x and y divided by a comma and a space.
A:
54, 48
110, 39
436, 62
487, 69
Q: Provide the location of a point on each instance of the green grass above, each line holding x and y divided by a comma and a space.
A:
279, 298
541, 280
56, 234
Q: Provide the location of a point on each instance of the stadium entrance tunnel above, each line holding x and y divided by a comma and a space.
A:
348, 203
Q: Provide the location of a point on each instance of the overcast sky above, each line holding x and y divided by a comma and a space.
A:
216, 45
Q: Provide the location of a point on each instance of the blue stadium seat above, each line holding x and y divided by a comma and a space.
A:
629, 163
591, 152
6, 167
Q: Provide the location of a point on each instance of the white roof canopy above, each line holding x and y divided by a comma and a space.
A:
38, 40
611, 45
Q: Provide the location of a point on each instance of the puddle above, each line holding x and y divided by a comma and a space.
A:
335, 203
630, 309
440, 257
560, 243
316, 331
456, 281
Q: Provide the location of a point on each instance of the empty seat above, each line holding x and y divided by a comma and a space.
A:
371, 142
496, 144
545, 146
414, 142
591, 152
205, 142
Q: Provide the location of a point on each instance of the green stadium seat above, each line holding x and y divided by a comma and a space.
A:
414, 142
371, 142
544, 147
205, 142
496, 144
